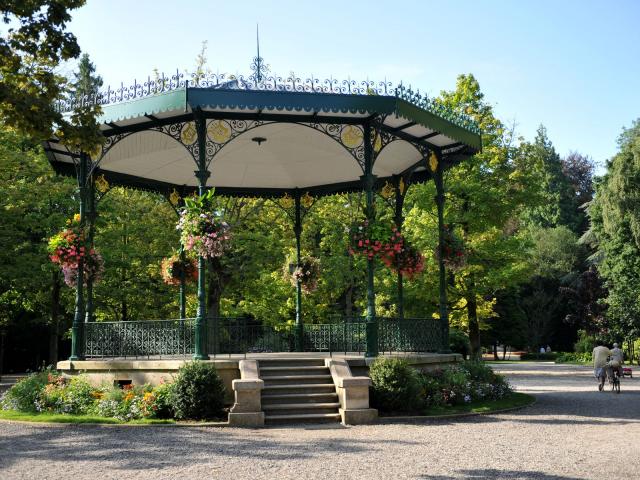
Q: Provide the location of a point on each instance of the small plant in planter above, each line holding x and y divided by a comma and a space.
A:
68, 247
453, 249
171, 268
202, 231
308, 273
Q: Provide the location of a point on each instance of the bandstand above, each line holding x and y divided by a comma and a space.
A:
264, 136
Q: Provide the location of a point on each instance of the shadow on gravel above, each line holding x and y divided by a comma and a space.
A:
138, 448
493, 473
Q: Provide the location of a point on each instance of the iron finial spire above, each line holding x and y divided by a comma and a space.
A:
259, 68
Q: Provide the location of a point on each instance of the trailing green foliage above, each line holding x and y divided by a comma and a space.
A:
198, 392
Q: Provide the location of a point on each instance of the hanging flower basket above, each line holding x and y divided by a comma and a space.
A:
202, 232
453, 249
308, 273
93, 268
373, 240
171, 268
408, 261
68, 247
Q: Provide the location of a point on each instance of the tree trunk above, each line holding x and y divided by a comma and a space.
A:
125, 313
54, 326
215, 288
2, 336
472, 315
348, 302
495, 351
504, 351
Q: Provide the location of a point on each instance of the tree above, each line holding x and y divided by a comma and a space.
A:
485, 196
36, 42
615, 220
34, 204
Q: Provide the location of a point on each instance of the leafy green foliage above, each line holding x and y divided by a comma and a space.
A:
23, 395
198, 392
395, 385
615, 220
459, 343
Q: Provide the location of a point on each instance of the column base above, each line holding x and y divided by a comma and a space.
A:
359, 416
199, 356
253, 419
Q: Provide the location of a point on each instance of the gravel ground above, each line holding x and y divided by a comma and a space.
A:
569, 434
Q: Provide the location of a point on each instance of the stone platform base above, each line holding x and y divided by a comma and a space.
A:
156, 371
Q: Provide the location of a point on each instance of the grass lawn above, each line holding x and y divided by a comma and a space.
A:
58, 418
487, 406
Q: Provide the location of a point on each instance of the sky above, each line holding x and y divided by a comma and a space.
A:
572, 65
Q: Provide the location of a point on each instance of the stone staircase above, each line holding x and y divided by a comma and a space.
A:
298, 391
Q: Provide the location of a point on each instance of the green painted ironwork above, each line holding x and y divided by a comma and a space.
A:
91, 220
227, 336
200, 352
368, 180
150, 338
297, 228
78, 317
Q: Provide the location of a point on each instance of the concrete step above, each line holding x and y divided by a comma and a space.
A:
295, 380
299, 389
299, 398
301, 408
293, 370
303, 418
291, 362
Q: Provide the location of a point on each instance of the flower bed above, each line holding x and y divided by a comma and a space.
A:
197, 393
397, 388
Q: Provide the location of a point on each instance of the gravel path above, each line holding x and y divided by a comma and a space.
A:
567, 435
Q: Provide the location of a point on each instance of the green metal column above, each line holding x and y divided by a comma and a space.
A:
77, 337
297, 228
202, 174
399, 220
91, 217
444, 317
369, 180
183, 280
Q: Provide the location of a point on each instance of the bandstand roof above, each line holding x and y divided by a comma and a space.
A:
268, 138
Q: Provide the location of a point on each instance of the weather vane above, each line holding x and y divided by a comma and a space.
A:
259, 68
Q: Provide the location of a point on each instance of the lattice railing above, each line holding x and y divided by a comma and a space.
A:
166, 338
150, 338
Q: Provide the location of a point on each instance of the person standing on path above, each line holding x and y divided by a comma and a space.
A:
600, 354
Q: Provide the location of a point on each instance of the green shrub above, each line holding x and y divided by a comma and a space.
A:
73, 396
459, 343
395, 385
162, 405
198, 392
585, 344
24, 394
571, 357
